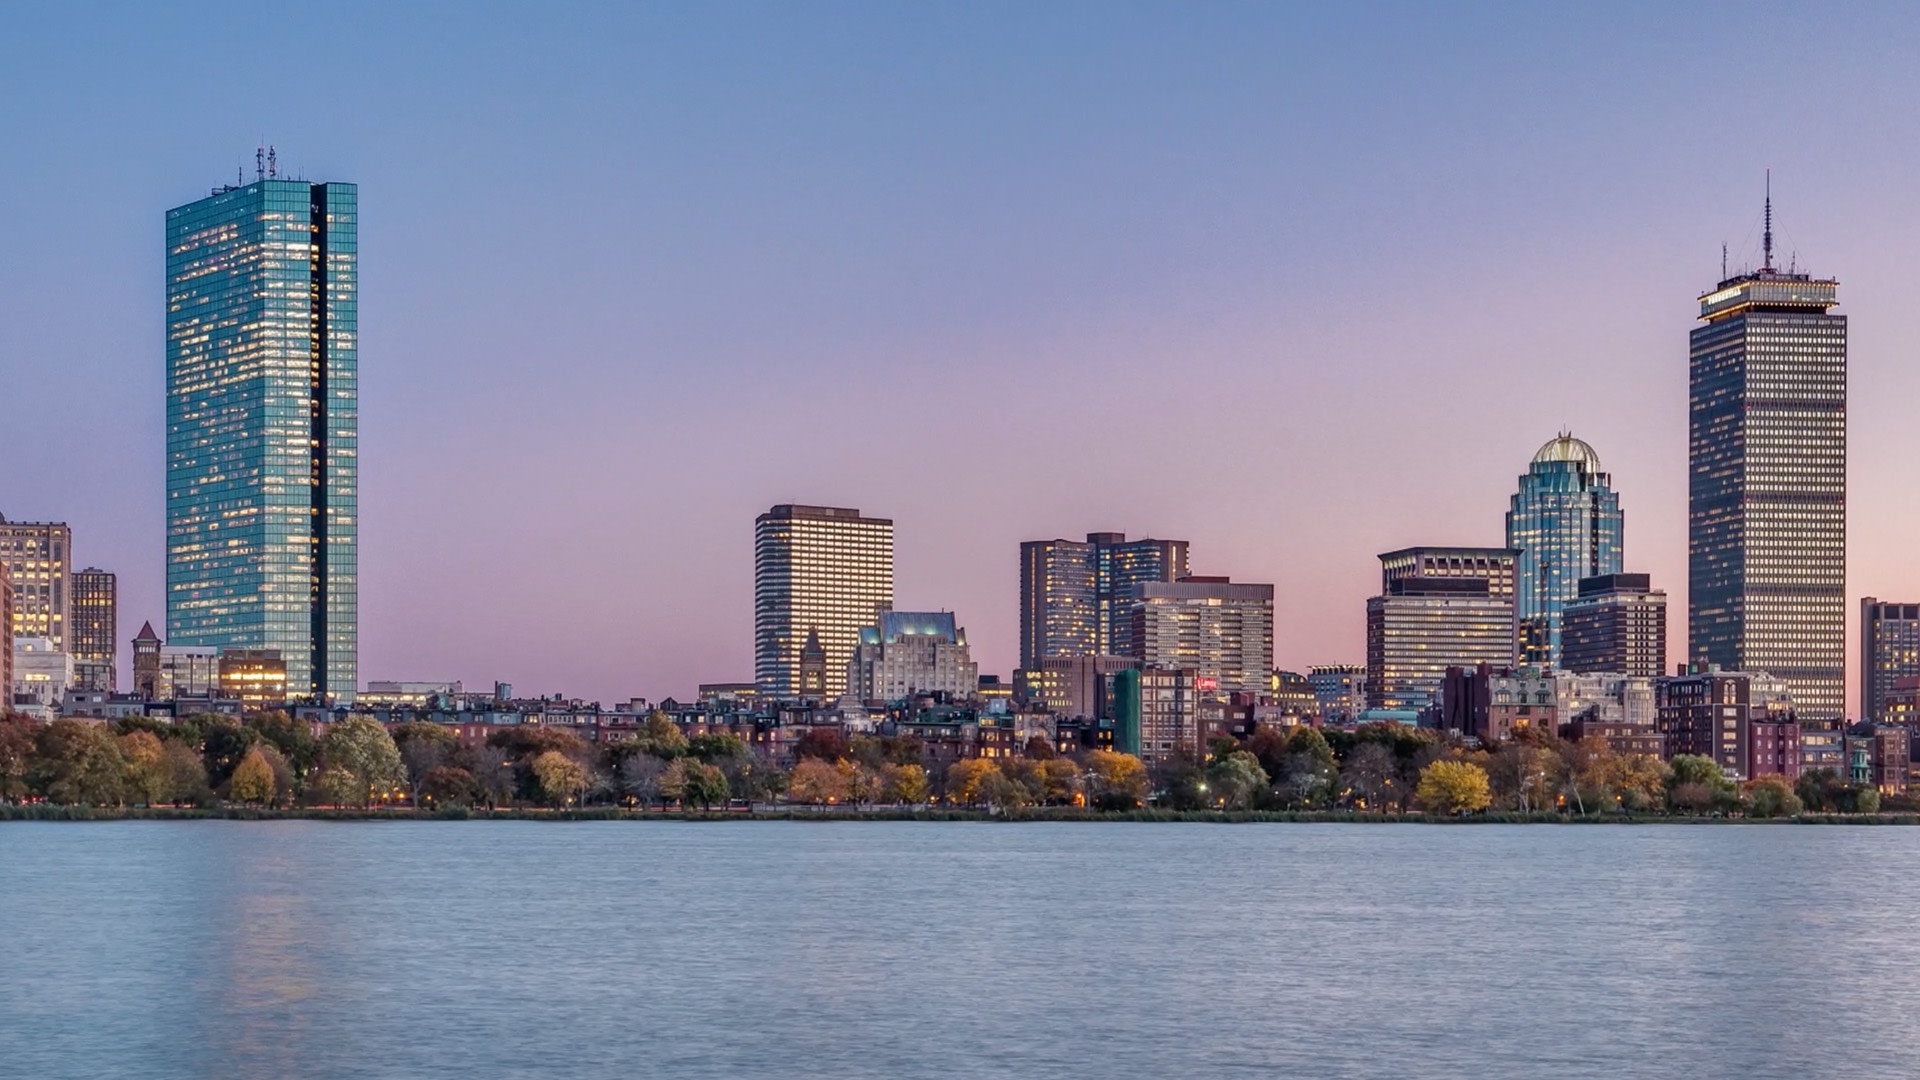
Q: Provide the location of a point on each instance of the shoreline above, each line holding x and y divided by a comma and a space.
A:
51, 813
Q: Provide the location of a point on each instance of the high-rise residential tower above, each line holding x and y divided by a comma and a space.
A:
39, 558
818, 571
262, 427
1220, 630
1889, 652
95, 628
1565, 523
1767, 488
1076, 598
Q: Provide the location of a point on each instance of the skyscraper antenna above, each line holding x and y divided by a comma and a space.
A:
1723, 261
1766, 238
273, 163
260, 162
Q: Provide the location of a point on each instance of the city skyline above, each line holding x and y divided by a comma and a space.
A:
1329, 474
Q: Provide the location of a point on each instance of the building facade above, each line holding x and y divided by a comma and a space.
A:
1711, 714
39, 558
1074, 687
6, 638
1889, 652
1340, 690
42, 675
1615, 622
1220, 630
823, 571
263, 427
1438, 608
1767, 515
1076, 597
1564, 524
910, 653
94, 620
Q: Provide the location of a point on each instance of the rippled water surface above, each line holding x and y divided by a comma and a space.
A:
761, 949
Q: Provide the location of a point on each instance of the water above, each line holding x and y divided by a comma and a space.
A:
759, 949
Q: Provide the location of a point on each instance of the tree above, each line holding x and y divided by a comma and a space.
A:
292, 739
1772, 796
252, 780
814, 780
78, 764
996, 788
1453, 787
1119, 780
1179, 780
825, 743
661, 737
424, 747
639, 775
705, 784
1040, 748
1696, 784
149, 780
17, 737
492, 771
186, 774
861, 784
1372, 775
1866, 800
362, 749
223, 743
905, 783
1237, 779
561, 778
717, 746
1060, 781
450, 786
1308, 779
967, 780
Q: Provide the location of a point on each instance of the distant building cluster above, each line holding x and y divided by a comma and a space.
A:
1123, 645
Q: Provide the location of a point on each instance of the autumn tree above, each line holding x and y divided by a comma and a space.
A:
17, 737
186, 773
252, 780
360, 748
715, 747
905, 784
1697, 784
704, 784
1372, 776
1453, 787
814, 780
78, 763
223, 743
1059, 781
560, 777
450, 785
825, 743
861, 784
1772, 796
149, 780
1119, 781
661, 737
967, 780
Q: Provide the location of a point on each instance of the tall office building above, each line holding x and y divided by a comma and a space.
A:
1616, 623
1221, 631
817, 570
95, 627
1438, 607
1767, 514
1076, 597
1565, 523
1889, 653
262, 427
39, 558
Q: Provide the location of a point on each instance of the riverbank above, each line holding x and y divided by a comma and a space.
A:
46, 812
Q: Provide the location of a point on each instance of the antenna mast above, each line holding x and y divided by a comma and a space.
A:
1766, 238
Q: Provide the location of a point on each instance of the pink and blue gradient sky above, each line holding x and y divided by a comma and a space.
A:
1299, 284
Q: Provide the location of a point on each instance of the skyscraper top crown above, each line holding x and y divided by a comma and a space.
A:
1565, 447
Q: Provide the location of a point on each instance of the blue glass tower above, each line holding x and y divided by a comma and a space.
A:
262, 427
1565, 522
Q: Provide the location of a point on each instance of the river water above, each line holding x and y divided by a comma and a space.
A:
326, 950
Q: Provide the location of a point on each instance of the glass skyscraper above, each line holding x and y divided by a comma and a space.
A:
1566, 524
262, 428
1767, 487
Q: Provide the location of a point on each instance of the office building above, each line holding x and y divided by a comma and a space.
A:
1340, 690
913, 652
1076, 598
1767, 486
1291, 699
1615, 622
187, 671
1889, 652
1221, 631
257, 678
94, 624
1438, 608
263, 427
1564, 524
1073, 687
819, 571
39, 556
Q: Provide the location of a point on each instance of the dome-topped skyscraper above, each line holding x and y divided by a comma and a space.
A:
1566, 523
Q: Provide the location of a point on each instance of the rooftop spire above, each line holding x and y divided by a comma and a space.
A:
1766, 238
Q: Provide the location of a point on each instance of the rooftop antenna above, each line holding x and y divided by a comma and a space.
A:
1766, 238
1723, 261
273, 164
260, 163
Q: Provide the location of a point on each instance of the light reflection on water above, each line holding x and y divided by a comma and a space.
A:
316, 951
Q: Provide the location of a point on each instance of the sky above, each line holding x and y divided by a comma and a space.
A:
1297, 283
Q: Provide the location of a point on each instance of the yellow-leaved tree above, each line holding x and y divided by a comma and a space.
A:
252, 779
1453, 787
